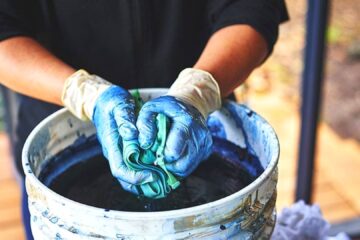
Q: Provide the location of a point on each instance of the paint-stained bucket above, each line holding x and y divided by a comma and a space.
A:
246, 214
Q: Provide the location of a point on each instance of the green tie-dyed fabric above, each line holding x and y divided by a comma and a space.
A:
151, 159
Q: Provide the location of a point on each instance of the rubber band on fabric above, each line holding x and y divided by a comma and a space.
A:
151, 159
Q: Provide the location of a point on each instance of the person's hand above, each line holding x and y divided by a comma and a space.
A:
189, 101
112, 110
189, 140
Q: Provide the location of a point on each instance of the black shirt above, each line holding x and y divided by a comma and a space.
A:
132, 43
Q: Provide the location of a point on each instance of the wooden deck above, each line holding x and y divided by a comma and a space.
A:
337, 180
10, 215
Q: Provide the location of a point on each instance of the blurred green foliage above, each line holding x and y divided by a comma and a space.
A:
333, 34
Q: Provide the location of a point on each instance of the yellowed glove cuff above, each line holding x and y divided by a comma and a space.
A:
197, 88
80, 93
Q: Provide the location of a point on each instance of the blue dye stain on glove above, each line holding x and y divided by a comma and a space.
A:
141, 172
189, 140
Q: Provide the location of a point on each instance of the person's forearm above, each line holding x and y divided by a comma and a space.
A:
231, 54
28, 68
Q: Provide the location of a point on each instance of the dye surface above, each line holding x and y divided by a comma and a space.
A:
82, 174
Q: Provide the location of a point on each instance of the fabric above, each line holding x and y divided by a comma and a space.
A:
197, 88
131, 43
301, 221
151, 159
114, 118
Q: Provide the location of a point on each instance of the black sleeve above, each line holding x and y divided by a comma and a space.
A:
262, 15
17, 18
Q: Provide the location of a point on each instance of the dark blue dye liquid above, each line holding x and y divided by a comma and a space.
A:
82, 174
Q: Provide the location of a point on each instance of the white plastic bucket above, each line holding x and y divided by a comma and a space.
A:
246, 214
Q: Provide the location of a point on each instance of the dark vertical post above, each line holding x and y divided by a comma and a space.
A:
316, 23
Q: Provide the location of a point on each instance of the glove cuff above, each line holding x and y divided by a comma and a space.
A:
80, 93
197, 88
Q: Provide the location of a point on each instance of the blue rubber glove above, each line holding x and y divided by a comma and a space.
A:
112, 109
191, 98
114, 119
189, 140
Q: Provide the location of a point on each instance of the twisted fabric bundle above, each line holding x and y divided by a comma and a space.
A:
151, 159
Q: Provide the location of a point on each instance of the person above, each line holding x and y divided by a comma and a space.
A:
201, 49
